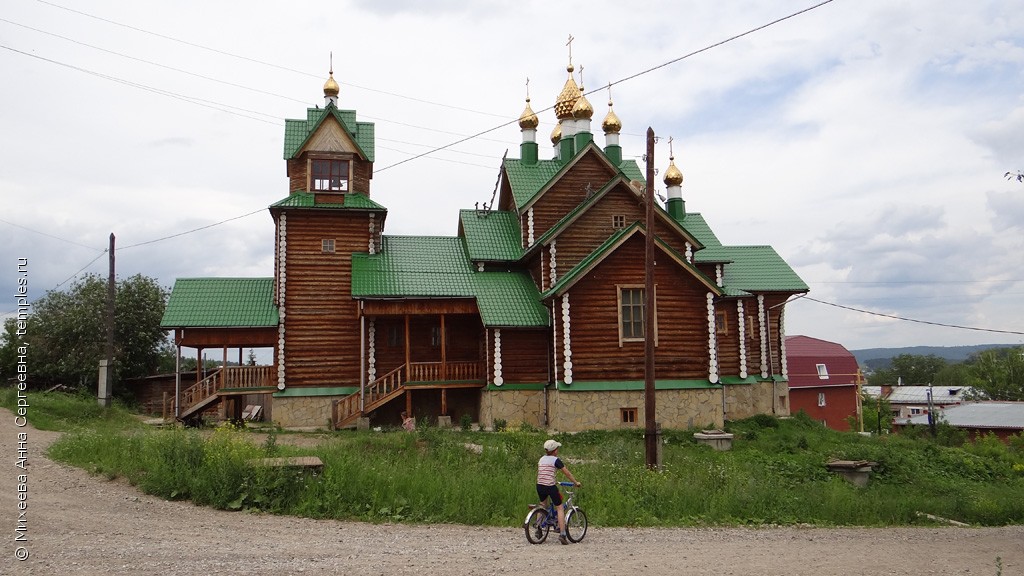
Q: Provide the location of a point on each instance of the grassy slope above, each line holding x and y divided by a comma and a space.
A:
775, 473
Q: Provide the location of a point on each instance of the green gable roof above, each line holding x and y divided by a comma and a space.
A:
221, 303
439, 267
350, 201
492, 236
608, 247
297, 132
527, 180
753, 269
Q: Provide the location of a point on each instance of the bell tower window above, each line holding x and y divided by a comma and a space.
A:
330, 175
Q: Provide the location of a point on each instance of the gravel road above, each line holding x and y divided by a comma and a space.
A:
80, 524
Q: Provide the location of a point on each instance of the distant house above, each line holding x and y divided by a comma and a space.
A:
910, 401
1004, 419
822, 380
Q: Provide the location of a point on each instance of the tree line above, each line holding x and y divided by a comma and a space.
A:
996, 374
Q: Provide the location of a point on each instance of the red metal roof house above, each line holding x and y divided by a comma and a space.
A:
822, 380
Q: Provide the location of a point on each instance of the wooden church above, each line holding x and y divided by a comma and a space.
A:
532, 313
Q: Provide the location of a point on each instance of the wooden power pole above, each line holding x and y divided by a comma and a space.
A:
652, 435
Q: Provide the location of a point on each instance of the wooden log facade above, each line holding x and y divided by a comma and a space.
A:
531, 313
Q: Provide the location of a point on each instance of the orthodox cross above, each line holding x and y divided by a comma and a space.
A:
569, 44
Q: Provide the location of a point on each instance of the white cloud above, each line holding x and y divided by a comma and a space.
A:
867, 142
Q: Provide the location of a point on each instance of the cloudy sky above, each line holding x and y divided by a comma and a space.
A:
866, 140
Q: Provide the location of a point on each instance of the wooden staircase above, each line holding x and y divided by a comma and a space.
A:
346, 411
219, 383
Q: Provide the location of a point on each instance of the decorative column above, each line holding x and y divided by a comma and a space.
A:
689, 253
498, 380
529, 226
763, 333
718, 275
371, 361
742, 332
553, 264
712, 341
282, 253
567, 346
782, 342
372, 247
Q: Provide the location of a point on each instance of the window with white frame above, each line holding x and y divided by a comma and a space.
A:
822, 372
327, 245
821, 399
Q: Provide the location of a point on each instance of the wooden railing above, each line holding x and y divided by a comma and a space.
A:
201, 390
437, 371
221, 378
387, 384
383, 389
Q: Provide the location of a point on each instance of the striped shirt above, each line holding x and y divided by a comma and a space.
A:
546, 468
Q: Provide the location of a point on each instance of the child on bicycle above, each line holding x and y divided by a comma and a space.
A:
547, 487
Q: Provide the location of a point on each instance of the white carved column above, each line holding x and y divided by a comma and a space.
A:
498, 380
282, 257
764, 339
712, 342
371, 344
743, 338
567, 345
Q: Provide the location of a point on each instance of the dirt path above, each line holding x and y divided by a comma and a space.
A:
80, 524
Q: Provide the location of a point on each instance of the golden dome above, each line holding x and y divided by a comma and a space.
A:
673, 177
331, 88
528, 119
582, 108
611, 124
567, 97
556, 134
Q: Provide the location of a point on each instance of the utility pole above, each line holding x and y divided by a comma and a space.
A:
652, 434
106, 375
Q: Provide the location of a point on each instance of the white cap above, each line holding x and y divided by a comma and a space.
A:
551, 445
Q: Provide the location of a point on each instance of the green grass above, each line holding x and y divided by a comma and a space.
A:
775, 473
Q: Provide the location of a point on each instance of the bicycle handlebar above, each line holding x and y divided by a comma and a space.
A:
566, 484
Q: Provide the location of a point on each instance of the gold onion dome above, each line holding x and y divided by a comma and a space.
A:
582, 109
673, 177
567, 97
528, 119
331, 86
611, 124
556, 134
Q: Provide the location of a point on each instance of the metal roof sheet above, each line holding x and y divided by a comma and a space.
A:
221, 303
980, 415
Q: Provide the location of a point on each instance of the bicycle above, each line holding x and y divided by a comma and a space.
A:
541, 518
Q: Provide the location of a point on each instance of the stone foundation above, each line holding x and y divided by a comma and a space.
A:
304, 411
602, 410
513, 406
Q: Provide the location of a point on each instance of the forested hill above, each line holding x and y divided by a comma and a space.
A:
876, 358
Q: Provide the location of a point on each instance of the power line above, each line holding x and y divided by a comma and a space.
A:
197, 101
912, 319
191, 231
620, 81
104, 251
262, 62
47, 235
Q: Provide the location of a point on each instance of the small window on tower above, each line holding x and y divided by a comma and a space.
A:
327, 245
618, 221
330, 175
822, 372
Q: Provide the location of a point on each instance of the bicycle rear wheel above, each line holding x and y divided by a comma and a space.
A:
536, 525
575, 524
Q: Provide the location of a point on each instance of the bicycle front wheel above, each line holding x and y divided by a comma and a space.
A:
575, 524
536, 526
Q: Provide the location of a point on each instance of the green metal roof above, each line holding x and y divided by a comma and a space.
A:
527, 180
753, 269
439, 267
297, 132
221, 303
351, 201
492, 236
695, 224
